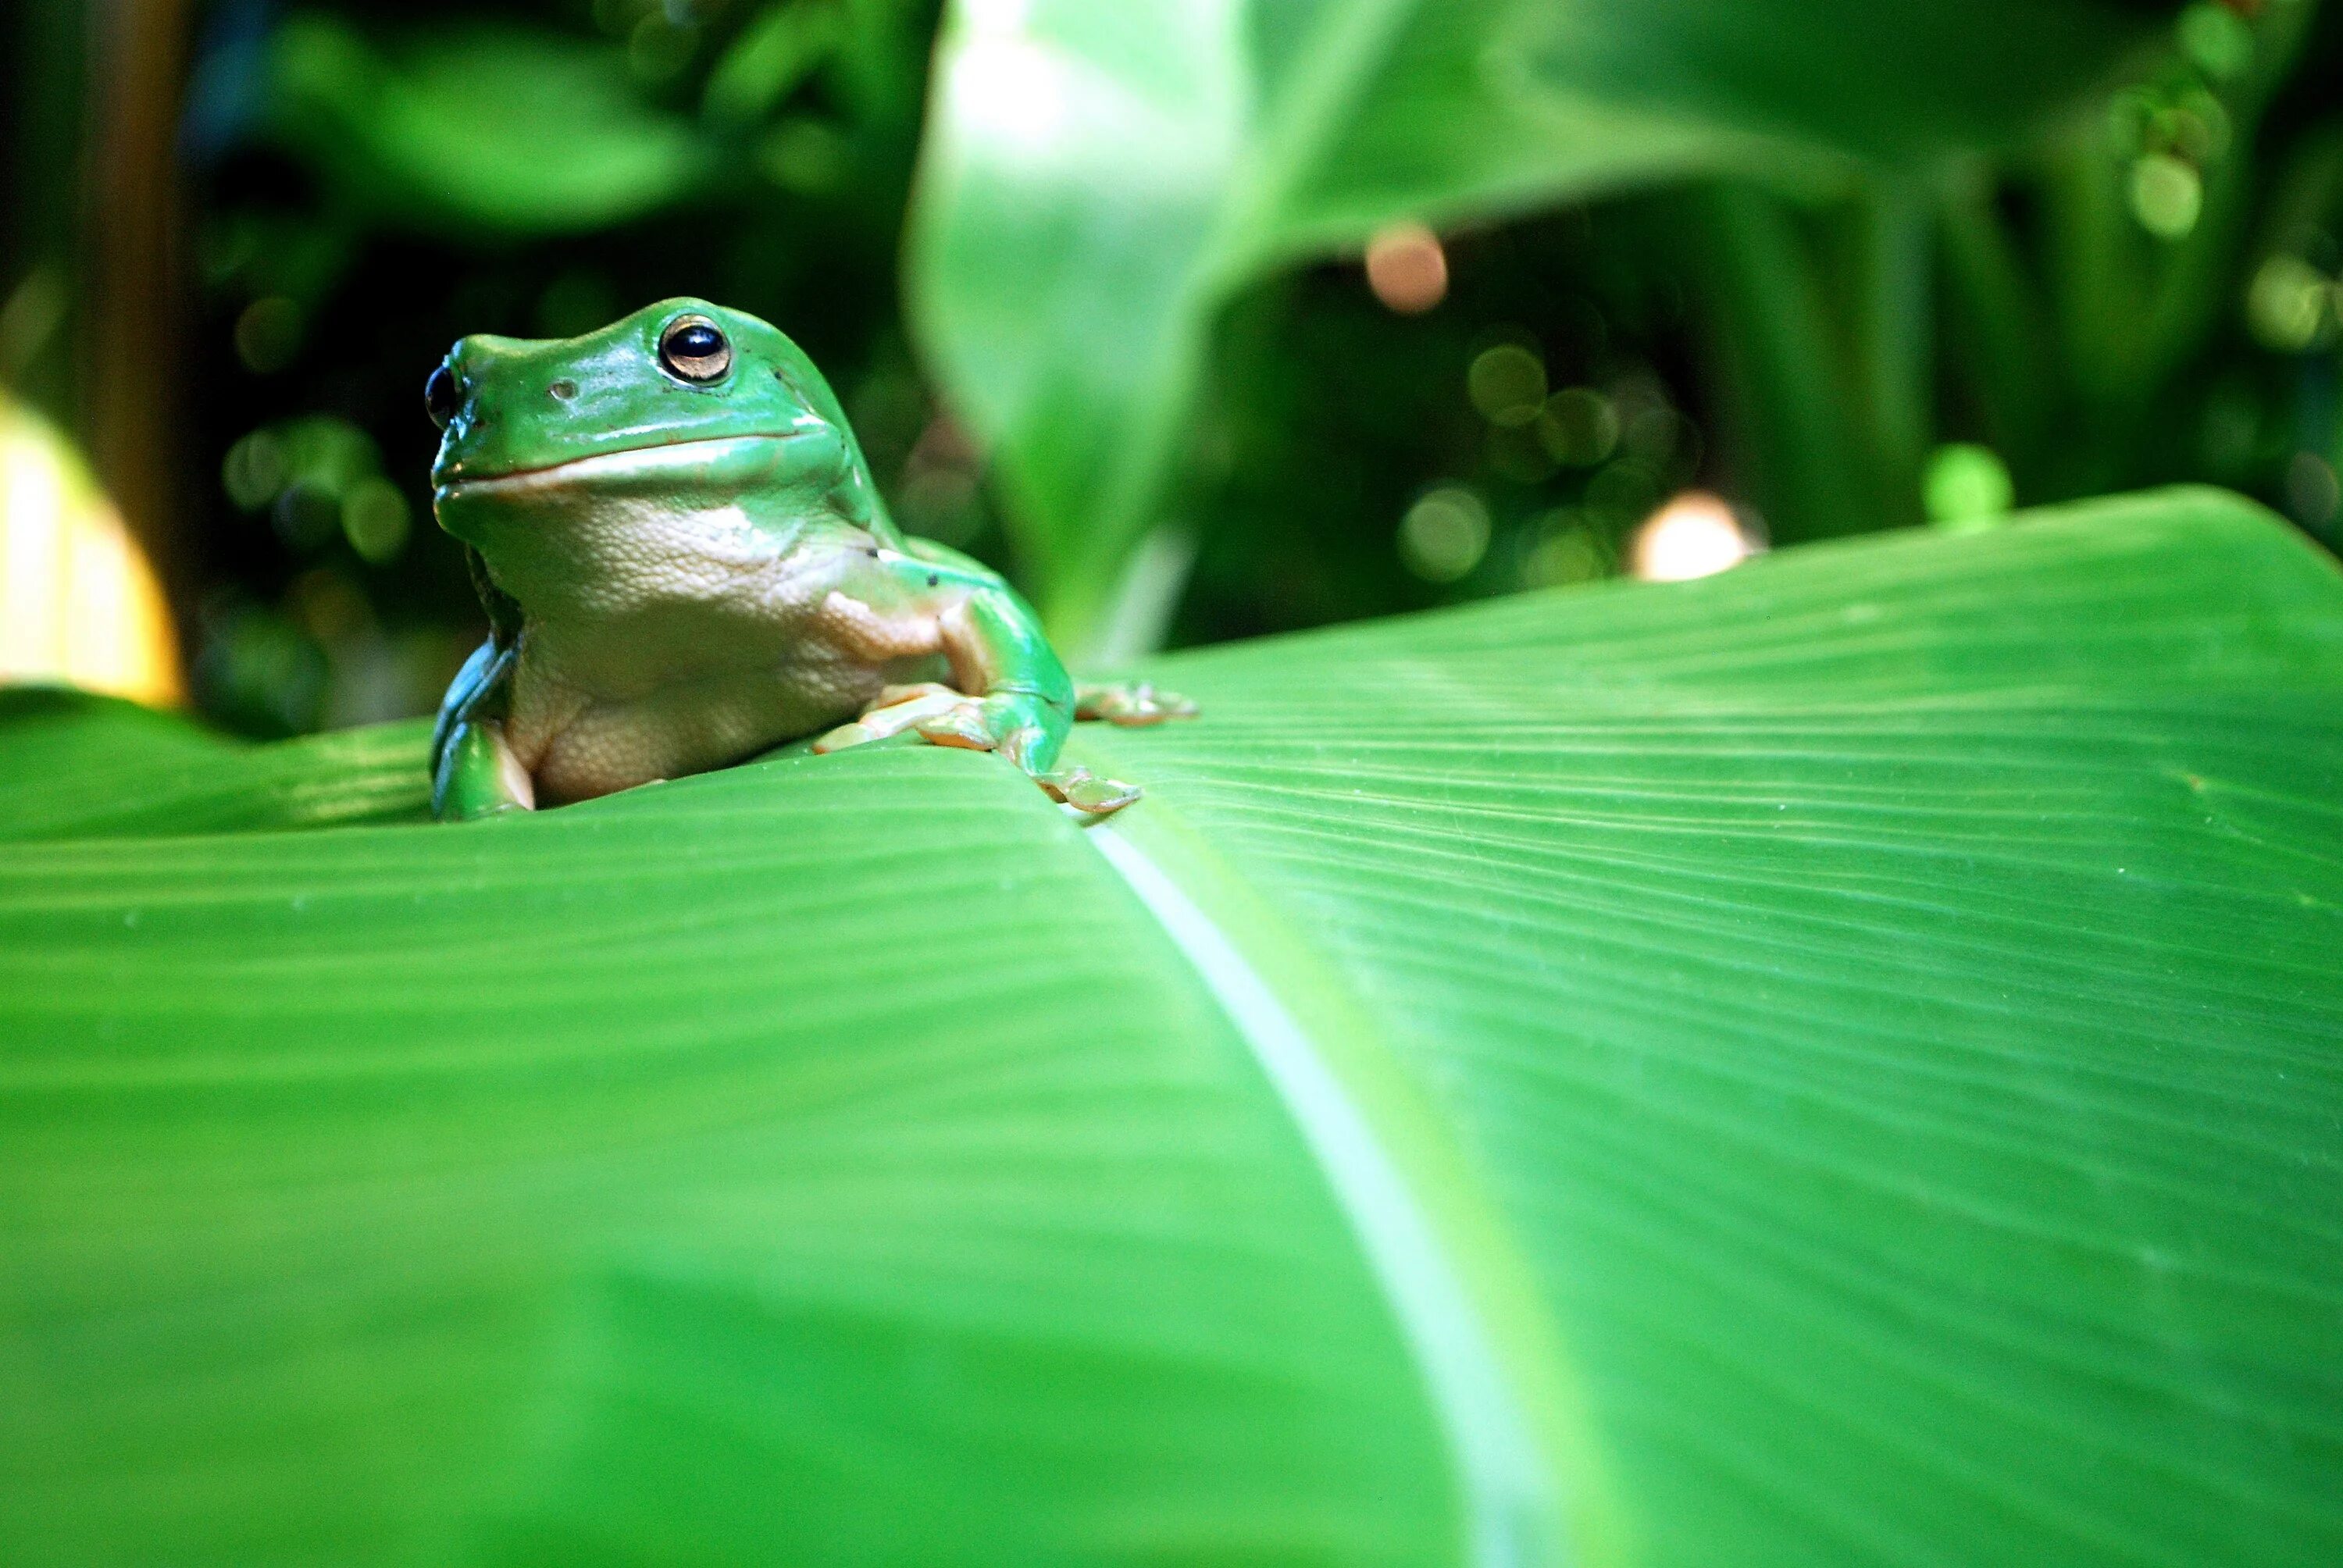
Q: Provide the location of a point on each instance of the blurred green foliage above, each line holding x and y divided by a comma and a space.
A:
1845, 265
1100, 180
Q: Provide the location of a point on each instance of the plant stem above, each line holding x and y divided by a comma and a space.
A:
1895, 337
130, 310
1790, 419
2001, 333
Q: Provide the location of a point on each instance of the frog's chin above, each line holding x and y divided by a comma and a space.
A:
711, 466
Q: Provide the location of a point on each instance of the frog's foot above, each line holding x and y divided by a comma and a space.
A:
1023, 727
897, 709
1143, 703
1011, 723
1086, 791
1014, 724
478, 776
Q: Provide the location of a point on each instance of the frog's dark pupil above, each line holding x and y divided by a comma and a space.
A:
694, 350
440, 397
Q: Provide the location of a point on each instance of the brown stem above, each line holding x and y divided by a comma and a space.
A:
129, 315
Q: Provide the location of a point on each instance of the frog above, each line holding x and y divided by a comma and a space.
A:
686, 565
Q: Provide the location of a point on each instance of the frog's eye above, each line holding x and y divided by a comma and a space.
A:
440, 397
695, 349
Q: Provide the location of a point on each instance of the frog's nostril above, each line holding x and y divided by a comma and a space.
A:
563, 391
441, 395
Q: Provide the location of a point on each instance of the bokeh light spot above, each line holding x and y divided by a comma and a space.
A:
1579, 427
268, 334
1444, 534
2166, 194
1565, 549
1507, 384
2216, 39
375, 520
1965, 488
2312, 492
2290, 306
1695, 534
1407, 268
255, 470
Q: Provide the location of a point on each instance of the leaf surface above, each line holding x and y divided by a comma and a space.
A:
1838, 1062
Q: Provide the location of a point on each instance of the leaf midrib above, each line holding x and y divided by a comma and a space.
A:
1493, 1372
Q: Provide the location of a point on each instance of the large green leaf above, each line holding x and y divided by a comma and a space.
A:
1097, 179
1841, 1062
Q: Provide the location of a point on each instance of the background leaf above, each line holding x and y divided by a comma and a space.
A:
493, 129
1855, 1040
1096, 181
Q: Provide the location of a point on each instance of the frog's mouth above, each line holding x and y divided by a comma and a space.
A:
715, 463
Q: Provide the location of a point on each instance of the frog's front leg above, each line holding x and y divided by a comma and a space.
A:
1009, 694
473, 772
1023, 704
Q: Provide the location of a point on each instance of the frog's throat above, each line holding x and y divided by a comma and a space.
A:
742, 459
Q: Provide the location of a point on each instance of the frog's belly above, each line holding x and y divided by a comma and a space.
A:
583, 746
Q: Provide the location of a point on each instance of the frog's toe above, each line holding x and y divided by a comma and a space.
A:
1101, 796
961, 724
1086, 791
895, 696
899, 708
1139, 703
1003, 723
844, 736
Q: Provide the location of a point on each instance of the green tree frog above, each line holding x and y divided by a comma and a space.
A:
685, 564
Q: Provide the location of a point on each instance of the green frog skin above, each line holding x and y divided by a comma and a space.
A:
685, 564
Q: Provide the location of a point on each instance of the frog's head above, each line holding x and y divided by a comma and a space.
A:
556, 451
